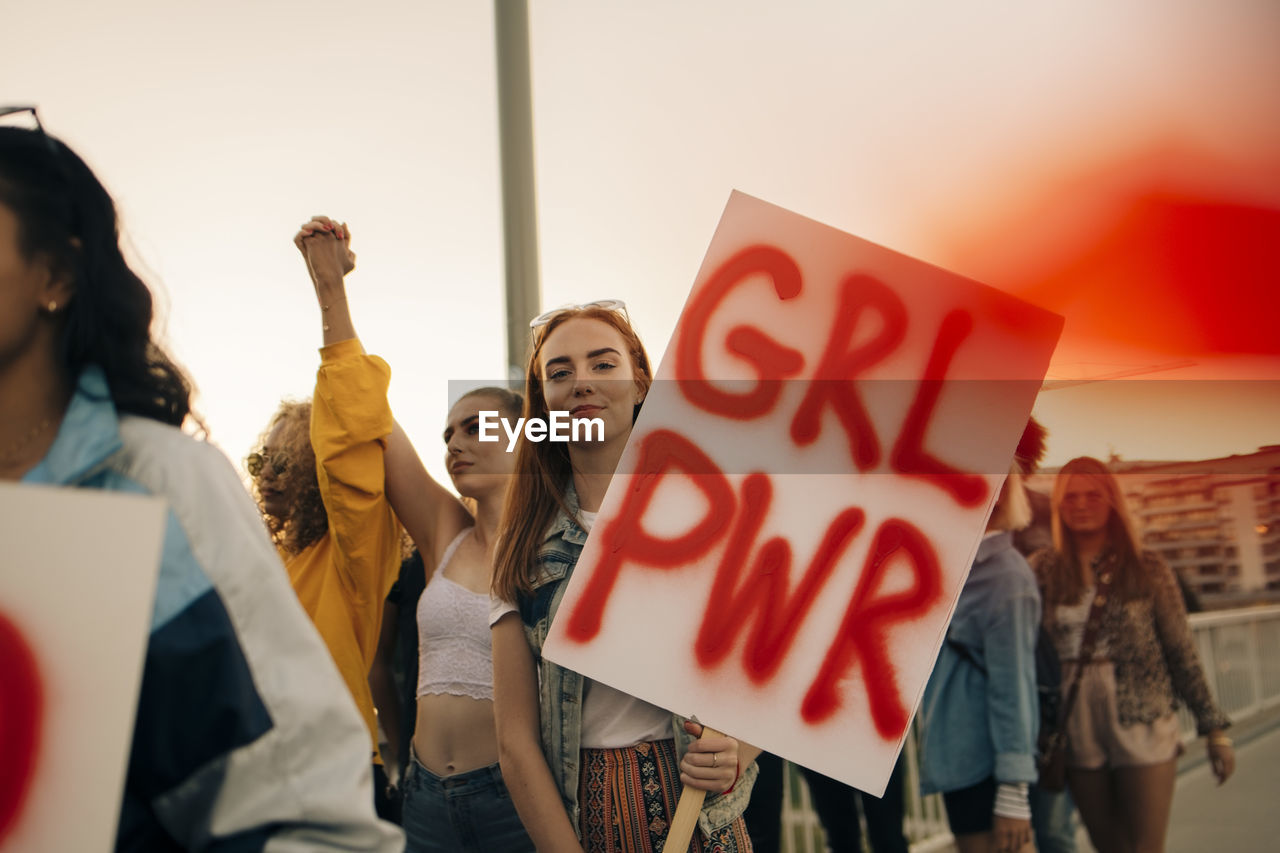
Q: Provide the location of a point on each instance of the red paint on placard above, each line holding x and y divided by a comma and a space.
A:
766, 592
625, 539
772, 360
20, 719
863, 634
909, 456
752, 588
834, 382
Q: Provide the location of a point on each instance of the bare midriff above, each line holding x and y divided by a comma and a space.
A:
454, 734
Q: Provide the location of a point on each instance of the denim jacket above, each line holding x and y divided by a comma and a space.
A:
976, 725
561, 690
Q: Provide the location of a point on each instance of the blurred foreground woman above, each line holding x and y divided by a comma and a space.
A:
244, 737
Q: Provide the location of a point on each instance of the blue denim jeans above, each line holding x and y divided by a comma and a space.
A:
469, 812
1053, 817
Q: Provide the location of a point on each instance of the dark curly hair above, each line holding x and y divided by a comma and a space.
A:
307, 521
66, 217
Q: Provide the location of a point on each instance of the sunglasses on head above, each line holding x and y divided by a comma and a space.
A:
259, 459
19, 110
58, 161
39, 128
604, 304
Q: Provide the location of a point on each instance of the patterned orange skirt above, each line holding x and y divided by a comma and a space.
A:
628, 798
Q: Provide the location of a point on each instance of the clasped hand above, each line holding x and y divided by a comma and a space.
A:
711, 763
326, 247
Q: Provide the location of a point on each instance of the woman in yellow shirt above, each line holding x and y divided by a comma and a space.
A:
319, 480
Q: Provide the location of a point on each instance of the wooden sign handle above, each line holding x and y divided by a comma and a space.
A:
687, 811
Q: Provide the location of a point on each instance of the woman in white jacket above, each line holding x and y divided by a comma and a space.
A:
237, 688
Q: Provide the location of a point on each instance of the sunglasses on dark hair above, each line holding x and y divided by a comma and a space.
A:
5, 111
256, 461
59, 162
39, 127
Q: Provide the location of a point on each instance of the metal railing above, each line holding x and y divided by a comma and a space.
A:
1240, 652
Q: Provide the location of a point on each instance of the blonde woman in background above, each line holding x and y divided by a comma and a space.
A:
1122, 733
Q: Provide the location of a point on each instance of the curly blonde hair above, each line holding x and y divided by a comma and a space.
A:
307, 521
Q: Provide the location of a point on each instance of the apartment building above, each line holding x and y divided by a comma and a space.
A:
1215, 521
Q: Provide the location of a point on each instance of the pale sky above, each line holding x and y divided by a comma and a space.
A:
924, 126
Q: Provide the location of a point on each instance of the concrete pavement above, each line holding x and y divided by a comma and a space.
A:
1242, 815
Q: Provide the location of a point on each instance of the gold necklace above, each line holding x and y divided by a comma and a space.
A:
13, 451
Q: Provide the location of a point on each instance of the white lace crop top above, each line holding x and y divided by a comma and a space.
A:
455, 653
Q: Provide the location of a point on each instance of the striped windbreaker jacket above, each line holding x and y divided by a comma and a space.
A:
246, 738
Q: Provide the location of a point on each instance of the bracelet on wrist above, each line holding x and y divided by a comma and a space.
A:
1220, 740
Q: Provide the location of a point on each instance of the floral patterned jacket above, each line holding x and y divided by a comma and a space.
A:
1150, 644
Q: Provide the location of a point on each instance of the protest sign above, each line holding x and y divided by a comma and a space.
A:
78, 575
804, 491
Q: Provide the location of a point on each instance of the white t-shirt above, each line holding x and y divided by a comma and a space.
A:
610, 718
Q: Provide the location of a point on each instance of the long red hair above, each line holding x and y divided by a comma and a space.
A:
543, 471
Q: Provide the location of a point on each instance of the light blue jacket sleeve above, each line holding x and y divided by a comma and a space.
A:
1012, 704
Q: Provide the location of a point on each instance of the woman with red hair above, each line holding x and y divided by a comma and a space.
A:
589, 768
